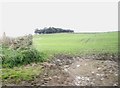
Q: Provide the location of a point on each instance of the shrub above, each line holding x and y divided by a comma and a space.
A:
12, 58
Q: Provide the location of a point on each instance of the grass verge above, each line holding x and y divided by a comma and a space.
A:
22, 73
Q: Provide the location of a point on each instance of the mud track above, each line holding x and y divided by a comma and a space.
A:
64, 70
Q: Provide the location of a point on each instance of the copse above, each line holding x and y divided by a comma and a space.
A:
52, 30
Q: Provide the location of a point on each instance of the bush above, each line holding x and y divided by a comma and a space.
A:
12, 58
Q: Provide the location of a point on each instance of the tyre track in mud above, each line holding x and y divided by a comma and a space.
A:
65, 70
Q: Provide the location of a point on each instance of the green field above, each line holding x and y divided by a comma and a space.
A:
69, 43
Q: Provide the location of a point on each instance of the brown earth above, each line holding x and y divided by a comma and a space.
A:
64, 70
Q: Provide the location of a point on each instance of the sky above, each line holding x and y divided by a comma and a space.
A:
19, 18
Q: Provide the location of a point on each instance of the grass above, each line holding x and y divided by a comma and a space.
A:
76, 44
18, 74
17, 64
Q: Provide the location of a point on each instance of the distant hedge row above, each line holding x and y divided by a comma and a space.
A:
51, 30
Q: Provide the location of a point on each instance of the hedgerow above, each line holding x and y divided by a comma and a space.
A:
12, 58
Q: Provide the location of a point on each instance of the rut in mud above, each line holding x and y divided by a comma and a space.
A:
64, 70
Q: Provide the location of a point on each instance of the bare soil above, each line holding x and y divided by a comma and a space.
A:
64, 70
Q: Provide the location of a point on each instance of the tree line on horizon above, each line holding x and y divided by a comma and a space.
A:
50, 30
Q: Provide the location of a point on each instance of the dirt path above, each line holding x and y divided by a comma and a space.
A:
64, 70
93, 72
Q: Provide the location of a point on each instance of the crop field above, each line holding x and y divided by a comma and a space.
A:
88, 43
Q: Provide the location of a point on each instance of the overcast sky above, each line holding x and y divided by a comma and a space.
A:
19, 18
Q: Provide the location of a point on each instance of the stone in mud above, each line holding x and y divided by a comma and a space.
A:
60, 64
77, 58
102, 79
114, 84
66, 66
58, 60
50, 78
93, 72
48, 65
98, 68
116, 74
77, 65
68, 62
55, 77
65, 70
46, 79
45, 74
97, 74
42, 81
42, 85
66, 83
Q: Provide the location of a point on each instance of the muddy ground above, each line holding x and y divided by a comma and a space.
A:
64, 70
